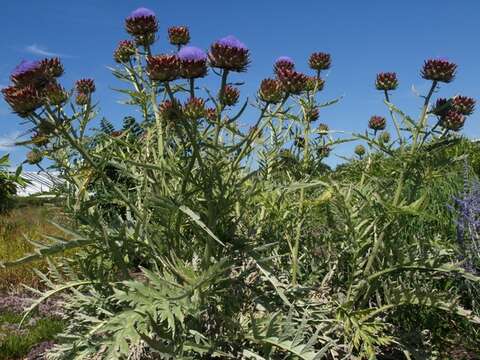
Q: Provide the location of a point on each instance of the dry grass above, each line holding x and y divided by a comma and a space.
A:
30, 222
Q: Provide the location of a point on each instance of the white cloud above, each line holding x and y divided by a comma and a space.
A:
7, 142
42, 51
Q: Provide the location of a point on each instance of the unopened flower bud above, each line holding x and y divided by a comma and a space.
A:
463, 104
230, 95
386, 81
194, 109
163, 67
271, 91
178, 35
377, 123
124, 51
319, 61
360, 150
34, 157
439, 70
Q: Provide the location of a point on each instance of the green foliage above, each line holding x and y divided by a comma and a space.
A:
200, 239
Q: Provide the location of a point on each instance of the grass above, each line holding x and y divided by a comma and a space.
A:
16, 343
31, 222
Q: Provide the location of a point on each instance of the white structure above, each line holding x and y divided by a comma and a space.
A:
38, 183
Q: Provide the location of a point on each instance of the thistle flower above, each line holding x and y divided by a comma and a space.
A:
124, 51
314, 84
163, 67
28, 73
323, 129
463, 104
319, 61
386, 81
282, 63
54, 94
312, 113
442, 105
452, 120
34, 157
439, 70
377, 123
194, 108
271, 91
360, 150
230, 95
324, 151
193, 62
384, 137
178, 35
171, 111
142, 24
23, 101
292, 81
229, 53
52, 68
85, 86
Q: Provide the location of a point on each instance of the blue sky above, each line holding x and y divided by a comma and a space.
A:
363, 37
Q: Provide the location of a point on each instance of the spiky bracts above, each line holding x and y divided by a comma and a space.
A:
142, 25
386, 81
24, 100
193, 62
124, 51
229, 53
319, 61
439, 70
271, 91
377, 123
163, 67
178, 35
230, 95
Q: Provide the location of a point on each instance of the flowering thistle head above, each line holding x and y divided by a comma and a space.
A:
23, 101
377, 123
292, 81
52, 68
229, 53
319, 61
452, 120
178, 35
142, 24
324, 151
463, 104
193, 62
230, 95
194, 108
85, 86
34, 157
386, 81
442, 105
163, 67
28, 73
360, 150
283, 62
271, 91
314, 83
124, 51
171, 110
54, 94
323, 129
439, 70
312, 113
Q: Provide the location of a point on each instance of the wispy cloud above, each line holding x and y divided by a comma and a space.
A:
7, 142
42, 51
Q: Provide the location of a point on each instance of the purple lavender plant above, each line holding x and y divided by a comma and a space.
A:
468, 222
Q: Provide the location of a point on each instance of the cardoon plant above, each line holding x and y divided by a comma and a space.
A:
202, 236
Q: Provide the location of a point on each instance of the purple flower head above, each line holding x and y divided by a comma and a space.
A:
141, 12
231, 41
25, 66
284, 59
192, 53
